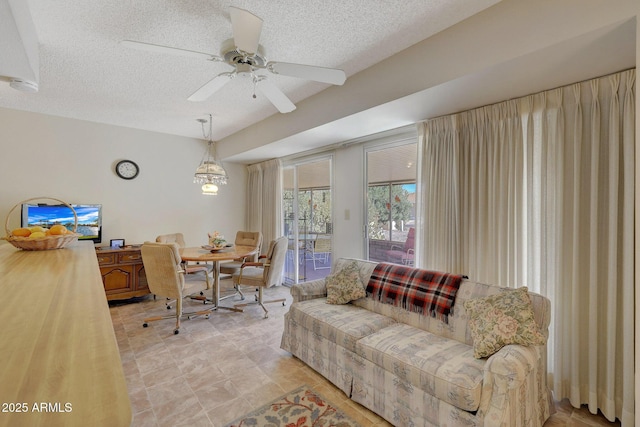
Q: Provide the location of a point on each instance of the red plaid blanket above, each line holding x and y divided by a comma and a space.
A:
414, 289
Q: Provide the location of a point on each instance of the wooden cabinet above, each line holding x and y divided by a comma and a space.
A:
122, 272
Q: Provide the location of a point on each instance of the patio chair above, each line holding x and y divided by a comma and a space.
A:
404, 254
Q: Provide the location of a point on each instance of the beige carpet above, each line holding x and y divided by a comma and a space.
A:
302, 407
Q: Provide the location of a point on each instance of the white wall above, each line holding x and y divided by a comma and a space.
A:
73, 160
348, 211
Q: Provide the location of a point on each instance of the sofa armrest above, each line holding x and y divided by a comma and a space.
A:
309, 290
514, 388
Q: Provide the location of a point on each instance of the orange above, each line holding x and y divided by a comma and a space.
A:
57, 230
21, 232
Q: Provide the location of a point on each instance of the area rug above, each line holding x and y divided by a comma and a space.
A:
301, 407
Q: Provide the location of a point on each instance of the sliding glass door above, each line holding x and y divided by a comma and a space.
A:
391, 203
308, 224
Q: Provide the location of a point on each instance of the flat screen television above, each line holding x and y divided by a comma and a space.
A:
89, 218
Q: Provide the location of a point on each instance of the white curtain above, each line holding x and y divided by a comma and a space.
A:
539, 191
264, 200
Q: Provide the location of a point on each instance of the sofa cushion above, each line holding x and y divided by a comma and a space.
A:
441, 367
345, 285
341, 324
364, 267
502, 319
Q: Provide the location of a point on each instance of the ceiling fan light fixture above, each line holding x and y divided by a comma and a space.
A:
244, 70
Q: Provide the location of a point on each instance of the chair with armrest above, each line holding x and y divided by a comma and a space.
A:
403, 254
165, 277
243, 238
178, 239
265, 273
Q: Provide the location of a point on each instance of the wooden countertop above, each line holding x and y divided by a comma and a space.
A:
60, 364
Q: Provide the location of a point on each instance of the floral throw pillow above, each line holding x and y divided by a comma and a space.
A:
502, 319
345, 285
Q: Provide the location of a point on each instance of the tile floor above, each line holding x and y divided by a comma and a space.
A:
220, 368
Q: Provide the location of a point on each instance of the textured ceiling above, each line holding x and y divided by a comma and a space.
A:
86, 74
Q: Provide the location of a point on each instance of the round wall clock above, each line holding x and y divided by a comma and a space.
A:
127, 169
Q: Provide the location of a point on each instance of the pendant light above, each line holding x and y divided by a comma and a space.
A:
210, 173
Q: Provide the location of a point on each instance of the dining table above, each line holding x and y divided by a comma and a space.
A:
204, 254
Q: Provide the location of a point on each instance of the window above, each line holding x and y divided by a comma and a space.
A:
391, 210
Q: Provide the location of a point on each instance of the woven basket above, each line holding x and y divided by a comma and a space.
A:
44, 243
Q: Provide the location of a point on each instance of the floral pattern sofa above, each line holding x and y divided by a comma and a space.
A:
418, 370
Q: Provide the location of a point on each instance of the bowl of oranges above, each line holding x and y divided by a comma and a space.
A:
41, 237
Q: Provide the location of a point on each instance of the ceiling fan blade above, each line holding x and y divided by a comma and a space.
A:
275, 95
246, 29
150, 47
309, 72
211, 87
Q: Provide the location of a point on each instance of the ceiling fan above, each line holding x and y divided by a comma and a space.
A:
244, 53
